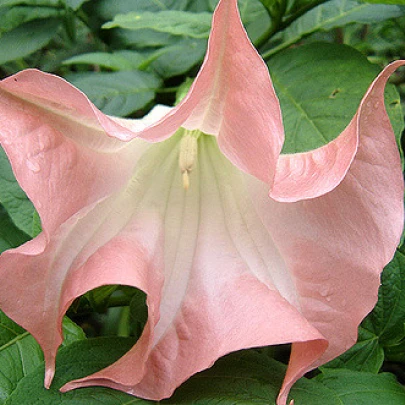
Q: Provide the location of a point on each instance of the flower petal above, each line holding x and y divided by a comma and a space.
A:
223, 276
54, 143
233, 98
337, 244
314, 173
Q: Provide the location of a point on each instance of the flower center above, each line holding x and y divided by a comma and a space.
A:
188, 154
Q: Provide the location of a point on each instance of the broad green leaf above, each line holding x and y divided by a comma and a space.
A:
20, 354
200, 5
383, 331
74, 4
138, 313
349, 387
245, 378
10, 235
400, 2
333, 14
76, 360
118, 93
388, 317
99, 297
8, 329
320, 86
27, 38
36, 224
194, 25
253, 378
396, 353
12, 17
14, 200
107, 9
118, 60
178, 58
366, 355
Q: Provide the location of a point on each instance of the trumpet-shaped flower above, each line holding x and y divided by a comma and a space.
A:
235, 244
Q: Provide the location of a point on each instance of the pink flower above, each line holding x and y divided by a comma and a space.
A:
235, 245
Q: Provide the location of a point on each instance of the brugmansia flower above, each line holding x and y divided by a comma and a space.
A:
235, 245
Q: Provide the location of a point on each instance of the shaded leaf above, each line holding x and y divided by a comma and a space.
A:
350, 387
400, 2
27, 38
74, 4
178, 58
118, 93
320, 86
388, 317
20, 354
194, 25
118, 60
14, 200
10, 235
366, 355
11, 18
74, 361
333, 14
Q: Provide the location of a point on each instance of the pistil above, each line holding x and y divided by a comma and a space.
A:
188, 155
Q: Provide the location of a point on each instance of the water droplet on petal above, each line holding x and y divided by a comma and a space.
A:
33, 166
324, 292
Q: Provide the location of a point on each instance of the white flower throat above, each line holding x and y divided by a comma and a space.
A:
188, 154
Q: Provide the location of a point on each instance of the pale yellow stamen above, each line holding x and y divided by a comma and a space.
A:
188, 155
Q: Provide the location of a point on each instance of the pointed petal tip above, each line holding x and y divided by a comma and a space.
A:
49, 374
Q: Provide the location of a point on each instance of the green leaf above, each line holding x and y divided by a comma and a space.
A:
118, 93
11, 18
14, 200
27, 38
383, 331
178, 58
401, 2
76, 360
252, 378
107, 9
388, 317
320, 86
36, 224
74, 4
20, 354
138, 313
349, 387
118, 60
366, 355
194, 25
333, 14
247, 378
99, 297
10, 235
